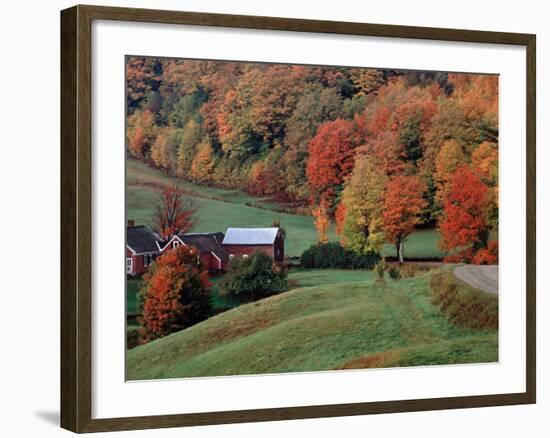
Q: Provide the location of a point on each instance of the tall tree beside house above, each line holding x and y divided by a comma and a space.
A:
173, 213
403, 206
175, 294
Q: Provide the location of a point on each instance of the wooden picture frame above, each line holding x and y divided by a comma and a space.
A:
76, 218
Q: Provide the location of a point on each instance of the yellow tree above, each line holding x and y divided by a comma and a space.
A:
362, 201
450, 156
141, 133
485, 160
203, 163
322, 221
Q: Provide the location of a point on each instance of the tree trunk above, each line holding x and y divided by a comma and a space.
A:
400, 252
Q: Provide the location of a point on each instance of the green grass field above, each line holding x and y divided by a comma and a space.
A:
219, 209
332, 319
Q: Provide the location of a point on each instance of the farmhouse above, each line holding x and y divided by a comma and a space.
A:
244, 241
142, 246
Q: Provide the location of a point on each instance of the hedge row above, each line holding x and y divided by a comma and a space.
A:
332, 255
463, 307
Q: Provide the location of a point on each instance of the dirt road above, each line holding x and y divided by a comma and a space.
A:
484, 278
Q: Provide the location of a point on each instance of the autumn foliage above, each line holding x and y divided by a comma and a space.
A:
403, 205
464, 226
175, 294
331, 160
333, 141
321, 221
173, 213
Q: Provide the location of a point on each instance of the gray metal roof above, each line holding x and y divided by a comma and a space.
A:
250, 236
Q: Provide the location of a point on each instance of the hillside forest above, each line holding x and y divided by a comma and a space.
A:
378, 153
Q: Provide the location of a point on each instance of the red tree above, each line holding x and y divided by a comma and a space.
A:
173, 213
331, 159
175, 294
403, 205
464, 222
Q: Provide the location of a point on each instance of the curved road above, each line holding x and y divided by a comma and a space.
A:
484, 278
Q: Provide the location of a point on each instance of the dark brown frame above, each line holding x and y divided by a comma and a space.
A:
76, 174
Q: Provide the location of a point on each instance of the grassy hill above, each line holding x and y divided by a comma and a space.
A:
222, 208
333, 319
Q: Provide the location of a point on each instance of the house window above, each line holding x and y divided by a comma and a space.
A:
175, 244
128, 265
231, 256
147, 259
245, 256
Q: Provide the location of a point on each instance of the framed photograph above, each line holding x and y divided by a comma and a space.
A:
269, 218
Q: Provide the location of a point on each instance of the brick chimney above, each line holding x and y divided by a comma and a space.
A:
130, 222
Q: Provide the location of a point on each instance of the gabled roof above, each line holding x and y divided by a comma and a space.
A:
250, 236
142, 239
206, 242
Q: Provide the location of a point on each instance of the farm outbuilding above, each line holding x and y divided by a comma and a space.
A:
241, 242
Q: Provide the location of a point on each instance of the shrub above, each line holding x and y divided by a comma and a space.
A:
408, 270
487, 256
463, 307
253, 277
332, 255
379, 270
175, 294
394, 273
132, 337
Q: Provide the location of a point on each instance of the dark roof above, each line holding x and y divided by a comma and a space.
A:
250, 236
206, 242
142, 239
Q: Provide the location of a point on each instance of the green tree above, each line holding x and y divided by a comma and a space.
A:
253, 277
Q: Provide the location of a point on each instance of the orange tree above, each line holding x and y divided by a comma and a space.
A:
331, 160
403, 206
175, 294
464, 226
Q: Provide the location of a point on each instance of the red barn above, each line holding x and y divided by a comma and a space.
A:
241, 242
142, 247
209, 245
